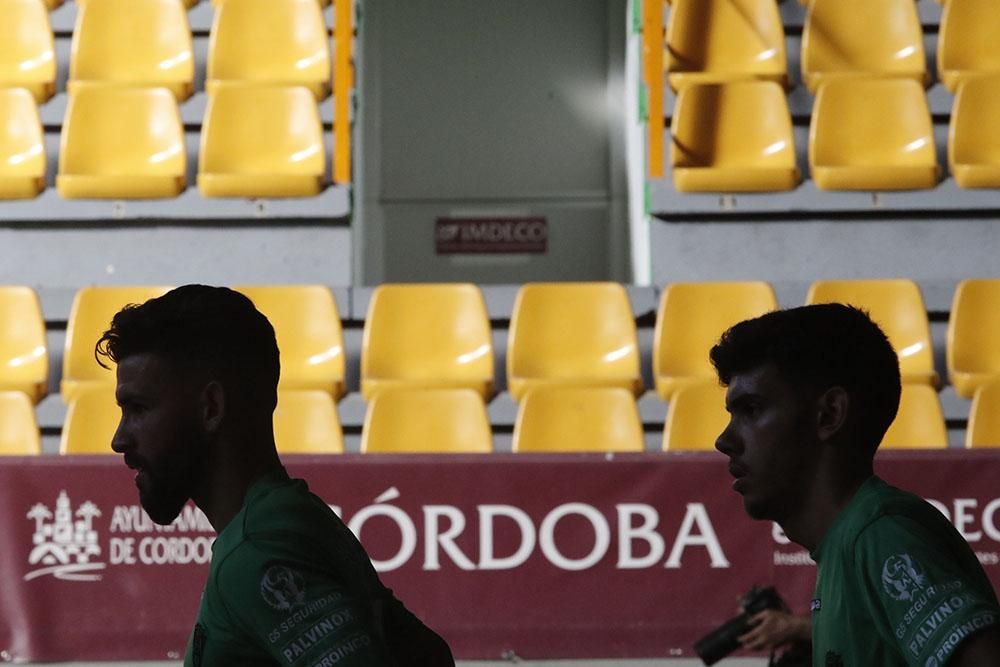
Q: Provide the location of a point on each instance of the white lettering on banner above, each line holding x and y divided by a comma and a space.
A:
963, 516
778, 534
433, 538
133, 519
487, 558
175, 550
602, 536
645, 532
696, 515
407, 530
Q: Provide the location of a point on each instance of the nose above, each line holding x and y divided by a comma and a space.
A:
725, 443
120, 442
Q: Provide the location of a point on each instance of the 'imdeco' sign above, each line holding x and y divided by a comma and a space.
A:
491, 235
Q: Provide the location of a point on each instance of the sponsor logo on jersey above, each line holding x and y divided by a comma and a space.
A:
902, 577
282, 588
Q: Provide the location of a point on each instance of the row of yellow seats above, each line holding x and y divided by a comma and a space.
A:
128, 143
724, 40
865, 134
149, 43
439, 335
188, 4
550, 419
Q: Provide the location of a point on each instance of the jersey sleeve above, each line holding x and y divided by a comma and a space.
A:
298, 612
921, 593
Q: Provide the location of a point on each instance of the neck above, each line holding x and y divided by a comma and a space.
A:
230, 473
830, 492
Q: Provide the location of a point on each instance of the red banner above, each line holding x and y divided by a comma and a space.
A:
543, 556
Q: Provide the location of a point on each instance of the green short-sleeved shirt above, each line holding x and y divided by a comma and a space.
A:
897, 584
290, 585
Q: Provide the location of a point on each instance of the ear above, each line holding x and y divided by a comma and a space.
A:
832, 409
213, 406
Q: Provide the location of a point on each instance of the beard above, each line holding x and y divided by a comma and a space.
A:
163, 492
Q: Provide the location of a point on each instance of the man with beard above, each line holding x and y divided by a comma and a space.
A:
811, 392
289, 583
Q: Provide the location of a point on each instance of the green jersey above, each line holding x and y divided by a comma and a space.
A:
897, 584
290, 585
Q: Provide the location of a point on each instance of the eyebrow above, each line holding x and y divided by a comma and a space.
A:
741, 399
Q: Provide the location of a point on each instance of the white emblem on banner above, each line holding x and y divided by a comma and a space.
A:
65, 542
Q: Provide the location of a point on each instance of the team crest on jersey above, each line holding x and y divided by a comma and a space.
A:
282, 588
902, 577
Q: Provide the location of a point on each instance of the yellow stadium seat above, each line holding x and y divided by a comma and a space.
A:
307, 325
424, 421
733, 137
712, 41
22, 146
967, 41
27, 48
572, 334
322, 3
872, 134
690, 320
578, 419
846, 38
898, 308
919, 424
261, 141
696, 417
19, 434
89, 317
306, 422
974, 135
984, 417
431, 335
24, 357
92, 418
273, 42
973, 331
121, 143
133, 43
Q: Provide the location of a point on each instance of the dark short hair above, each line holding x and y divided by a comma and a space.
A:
201, 328
817, 347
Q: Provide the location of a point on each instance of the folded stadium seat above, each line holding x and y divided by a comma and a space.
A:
261, 141
27, 48
19, 435
578, 419
310, 338
426, 421
696, 417
89, 317
898, 307
572, 334
306, 422
732, 137
24, 357
121, 143
919, 424
712, 41
690, 320
275, 42
92, 418
427, 336
984, 417
872, 134
973, 331
133, 43
967, 41
322, 3
974, 135
22, 145
862, 37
